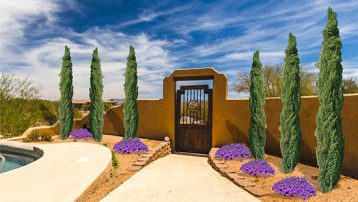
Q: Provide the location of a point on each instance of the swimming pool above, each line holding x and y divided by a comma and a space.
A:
13, 157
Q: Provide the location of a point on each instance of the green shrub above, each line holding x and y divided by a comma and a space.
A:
329, 132
257, 135
32, 137
131, 94
290, 139
66, 89
115, 163
96, 91
35, 136
46, 137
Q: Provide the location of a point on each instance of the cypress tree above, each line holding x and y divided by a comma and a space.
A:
96, 91
257, 136
330, 140
66, 89
131, 94
290, 141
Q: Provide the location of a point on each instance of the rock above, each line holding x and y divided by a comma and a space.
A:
240, 176
232, 175
222, 166
218, 162
149, 155
244, 182
143, 159
134, 168
257, 191
230, 170
140, 163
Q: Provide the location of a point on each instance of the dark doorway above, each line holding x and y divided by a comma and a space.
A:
193, 119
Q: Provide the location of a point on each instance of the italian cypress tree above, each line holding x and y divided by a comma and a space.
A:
330, 140
257, 136
66, 89
96, 90
131, 93
290, 141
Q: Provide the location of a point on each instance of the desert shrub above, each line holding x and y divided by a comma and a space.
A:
115, 163
17, 111
130, 146
295, 187
77, 114
48, 111
233, 151
32, 137
258, 168
46, 137
81, 133
35, 136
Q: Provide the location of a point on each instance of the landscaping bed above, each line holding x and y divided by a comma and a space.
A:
128, 164
346, 190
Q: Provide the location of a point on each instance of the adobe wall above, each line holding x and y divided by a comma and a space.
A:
230, 119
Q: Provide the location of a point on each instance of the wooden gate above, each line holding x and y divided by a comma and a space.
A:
193, 119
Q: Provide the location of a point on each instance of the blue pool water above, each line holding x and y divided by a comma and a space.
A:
12, 157
13, 161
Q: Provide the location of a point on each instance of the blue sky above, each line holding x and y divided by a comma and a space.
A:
167, 35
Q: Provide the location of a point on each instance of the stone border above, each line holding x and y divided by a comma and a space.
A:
158, 151
239, 179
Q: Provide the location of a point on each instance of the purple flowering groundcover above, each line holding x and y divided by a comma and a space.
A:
258, 168
81, 133
130, 146
233, 151
295, 187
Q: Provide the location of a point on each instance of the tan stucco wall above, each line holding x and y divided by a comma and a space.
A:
230, 119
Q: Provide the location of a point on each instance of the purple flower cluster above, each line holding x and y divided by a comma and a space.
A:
295, 186
130, 146
81, 133
258, 168
233, 151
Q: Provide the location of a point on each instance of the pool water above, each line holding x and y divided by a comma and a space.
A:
13, 161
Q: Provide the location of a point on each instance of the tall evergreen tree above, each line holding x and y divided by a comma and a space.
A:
290, 141
96, 91
329, 133
257, 135
131, 93
66, 89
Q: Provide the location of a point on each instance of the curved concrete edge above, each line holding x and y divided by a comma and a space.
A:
63, 173
18, 145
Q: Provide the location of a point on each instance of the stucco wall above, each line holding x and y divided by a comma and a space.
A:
230, 119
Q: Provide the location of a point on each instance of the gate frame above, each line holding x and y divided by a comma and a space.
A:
210, 115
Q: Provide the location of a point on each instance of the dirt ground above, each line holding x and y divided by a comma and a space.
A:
347, 189
118, 175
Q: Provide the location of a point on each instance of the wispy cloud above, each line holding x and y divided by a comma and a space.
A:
221, 34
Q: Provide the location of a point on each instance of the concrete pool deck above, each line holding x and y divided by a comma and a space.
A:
63, 173
179, 178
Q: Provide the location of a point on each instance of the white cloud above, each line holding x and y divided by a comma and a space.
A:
41, 62
264, 27
44, 62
